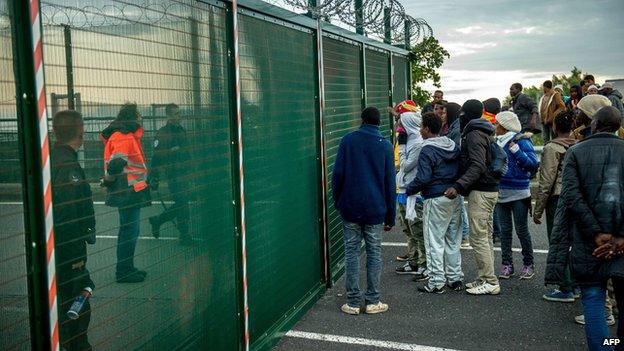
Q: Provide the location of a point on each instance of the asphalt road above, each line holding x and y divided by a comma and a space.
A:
517, 319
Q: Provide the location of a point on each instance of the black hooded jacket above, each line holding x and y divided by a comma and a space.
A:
475, 158
591, 202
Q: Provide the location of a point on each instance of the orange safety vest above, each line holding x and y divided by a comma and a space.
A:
128, 147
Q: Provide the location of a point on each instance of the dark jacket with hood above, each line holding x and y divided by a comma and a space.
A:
524, 107
363, 179
475, 158
591, 202
438, 168
616, 101
452, 118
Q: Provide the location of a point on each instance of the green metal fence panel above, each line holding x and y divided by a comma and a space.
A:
170, 52
378, 86
343, 104
278, 86
14, 317
400, 71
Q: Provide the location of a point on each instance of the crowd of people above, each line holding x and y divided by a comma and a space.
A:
460, 176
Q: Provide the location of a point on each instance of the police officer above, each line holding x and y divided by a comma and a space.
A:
74, 226
171, 162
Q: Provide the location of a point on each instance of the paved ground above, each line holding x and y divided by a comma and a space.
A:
517, 319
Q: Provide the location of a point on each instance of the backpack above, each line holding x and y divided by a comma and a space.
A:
498, 160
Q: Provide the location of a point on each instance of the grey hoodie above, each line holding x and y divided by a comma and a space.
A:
408, 157
616, 101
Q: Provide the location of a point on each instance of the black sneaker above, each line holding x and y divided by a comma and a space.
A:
428, 289
421, 276
140, 272
155, 223
407, 268
133, 277
456, 286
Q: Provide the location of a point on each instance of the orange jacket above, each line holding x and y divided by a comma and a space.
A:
127, 147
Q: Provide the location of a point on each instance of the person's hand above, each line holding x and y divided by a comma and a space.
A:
387, 228
451, 193
602, 239
536, 220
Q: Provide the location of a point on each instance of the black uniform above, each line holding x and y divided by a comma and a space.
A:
74, 226
171, 163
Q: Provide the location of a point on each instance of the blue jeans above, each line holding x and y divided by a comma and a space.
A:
353, 233
515, 214
496, 233
129, 227
465, 228
593, 298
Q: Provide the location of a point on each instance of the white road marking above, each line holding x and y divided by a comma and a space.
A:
13, 203
392, 345
140, 238
515, 249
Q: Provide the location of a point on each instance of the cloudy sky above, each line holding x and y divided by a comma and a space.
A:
494, 43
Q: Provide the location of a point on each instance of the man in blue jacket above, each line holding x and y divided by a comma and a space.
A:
437, 170
364, 192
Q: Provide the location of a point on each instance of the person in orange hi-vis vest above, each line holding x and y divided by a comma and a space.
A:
125, 177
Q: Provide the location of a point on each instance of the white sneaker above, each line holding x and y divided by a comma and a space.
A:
465, 244
350, 310
581, 320
474, 284
484, 289
379, 307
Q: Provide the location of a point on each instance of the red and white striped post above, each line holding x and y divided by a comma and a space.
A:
37, 50
241, 172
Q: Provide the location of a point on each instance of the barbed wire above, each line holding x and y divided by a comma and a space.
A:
111, 14
322, 9
371, 10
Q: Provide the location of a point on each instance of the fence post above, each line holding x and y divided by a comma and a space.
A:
320, 71
391, 93
387, 26
359, 17
238, 167
37, 193
69, 67
363, 74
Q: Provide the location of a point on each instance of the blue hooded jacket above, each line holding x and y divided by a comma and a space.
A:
521, 164
438, 168
363, 179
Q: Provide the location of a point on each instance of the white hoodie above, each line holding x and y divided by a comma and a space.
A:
408, 157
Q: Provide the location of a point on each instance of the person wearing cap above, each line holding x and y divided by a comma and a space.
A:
451, 110
514, 196
491, 107
525, 108
481, 187
550, 104
587, 232
592, 90
614, 96
588, 106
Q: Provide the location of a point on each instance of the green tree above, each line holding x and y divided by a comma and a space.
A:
426, 58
